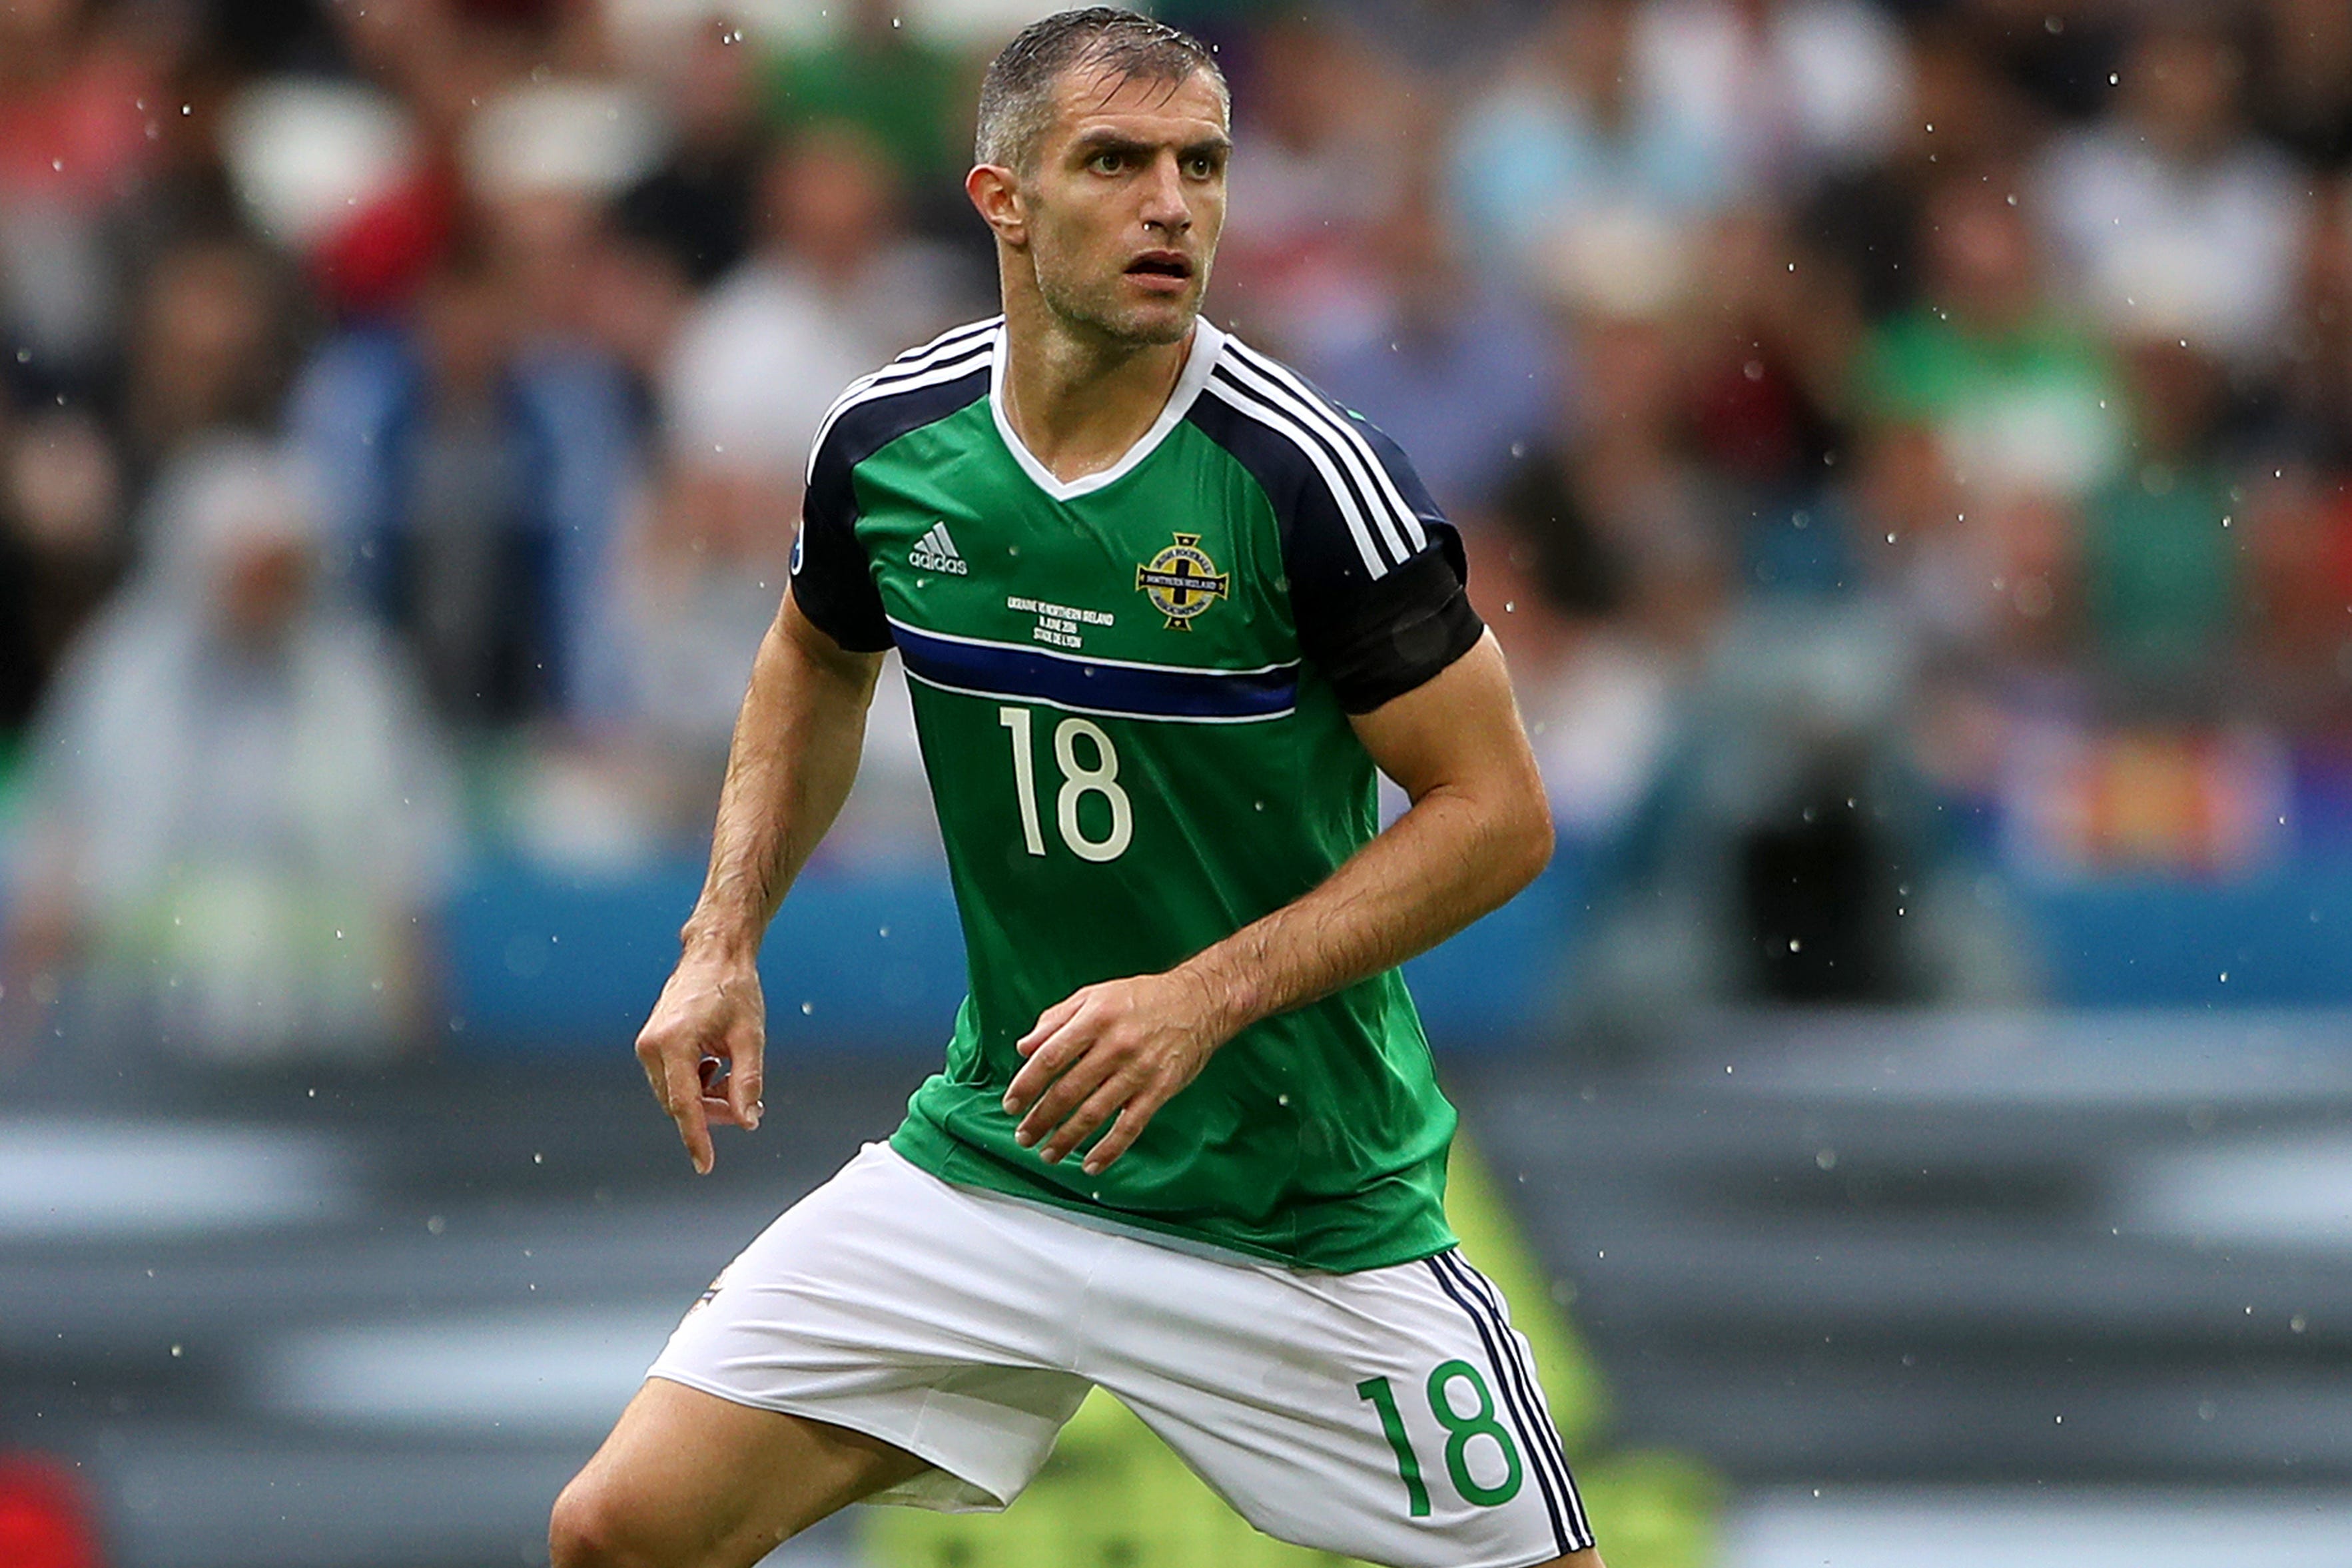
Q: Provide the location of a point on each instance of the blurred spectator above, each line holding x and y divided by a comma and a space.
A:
1608, 578
1600, 699
2298, 498
1990, 414
1782, 91
1864, 220
1464, 366
709, 548
77, 98
1577, 133
60, 548
445, 58
346, 179
2170, 209
2161, 558
477, 104
2303, 95
1326, 127
833, 289
1622, 457
633, 298
1445, 45
912, 99
545, 161
1764, 374
698, 205
702, 578
238, 820
2315, 403
2062, 54
474, 475
209, 349
2298, 577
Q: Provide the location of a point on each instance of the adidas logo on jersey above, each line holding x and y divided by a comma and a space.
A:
934, 552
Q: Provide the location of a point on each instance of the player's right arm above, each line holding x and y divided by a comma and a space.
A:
793, 758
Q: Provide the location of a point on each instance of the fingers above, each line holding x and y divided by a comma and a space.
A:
730, 1084
701, 1053
1048, 1021
743, 1079
1071, 1091
1098, 1058
1050, 1052
1132, 1118
718, 1110
653, 1059
1097, 1109
681, 1095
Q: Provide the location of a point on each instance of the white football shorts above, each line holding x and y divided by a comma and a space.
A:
1391, 1414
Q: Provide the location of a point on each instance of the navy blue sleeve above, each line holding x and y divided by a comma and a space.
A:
1377, 637
1377, 574
833, 583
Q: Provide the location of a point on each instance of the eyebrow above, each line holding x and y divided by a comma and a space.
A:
1100, 141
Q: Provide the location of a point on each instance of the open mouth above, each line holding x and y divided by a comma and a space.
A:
1161, 264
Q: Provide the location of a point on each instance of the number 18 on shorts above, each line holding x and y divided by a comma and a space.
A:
1460, 1428
1471, 1435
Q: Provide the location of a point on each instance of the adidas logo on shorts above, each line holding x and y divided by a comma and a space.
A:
934, 552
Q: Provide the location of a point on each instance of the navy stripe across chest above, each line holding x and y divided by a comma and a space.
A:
1110, 686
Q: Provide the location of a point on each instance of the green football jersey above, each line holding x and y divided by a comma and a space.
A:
1132, 693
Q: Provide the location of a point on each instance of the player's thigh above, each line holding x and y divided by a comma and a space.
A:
687, 1479
1391, 1416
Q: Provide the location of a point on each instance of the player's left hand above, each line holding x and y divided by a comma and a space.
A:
1119, 1050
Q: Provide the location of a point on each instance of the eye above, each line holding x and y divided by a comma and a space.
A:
1200, 165
1108, 162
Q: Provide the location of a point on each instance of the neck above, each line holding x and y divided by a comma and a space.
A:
1078, 400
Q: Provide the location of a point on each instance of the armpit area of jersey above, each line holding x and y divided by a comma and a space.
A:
1407, 627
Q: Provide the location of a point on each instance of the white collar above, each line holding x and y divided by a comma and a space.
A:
1208, 343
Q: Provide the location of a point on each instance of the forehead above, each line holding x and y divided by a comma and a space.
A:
1090, 100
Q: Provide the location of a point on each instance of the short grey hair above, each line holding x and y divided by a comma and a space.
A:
1016, 96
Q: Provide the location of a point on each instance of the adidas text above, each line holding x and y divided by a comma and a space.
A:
934, 552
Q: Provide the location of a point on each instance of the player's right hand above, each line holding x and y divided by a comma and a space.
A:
711, 1015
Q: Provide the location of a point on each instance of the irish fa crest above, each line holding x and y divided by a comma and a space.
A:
1182, 580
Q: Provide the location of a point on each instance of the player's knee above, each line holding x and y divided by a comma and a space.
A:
597, 1525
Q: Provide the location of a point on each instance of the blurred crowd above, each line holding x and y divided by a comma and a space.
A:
1894, 440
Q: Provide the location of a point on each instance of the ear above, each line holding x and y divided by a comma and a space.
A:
997, 195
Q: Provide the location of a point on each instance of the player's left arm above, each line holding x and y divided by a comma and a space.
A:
1479, 829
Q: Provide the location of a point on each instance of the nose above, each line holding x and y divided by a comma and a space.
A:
1165, 207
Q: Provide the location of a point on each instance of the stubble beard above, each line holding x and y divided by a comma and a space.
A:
1097, 312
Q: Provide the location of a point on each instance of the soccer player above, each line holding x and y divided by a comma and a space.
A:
1165, 610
